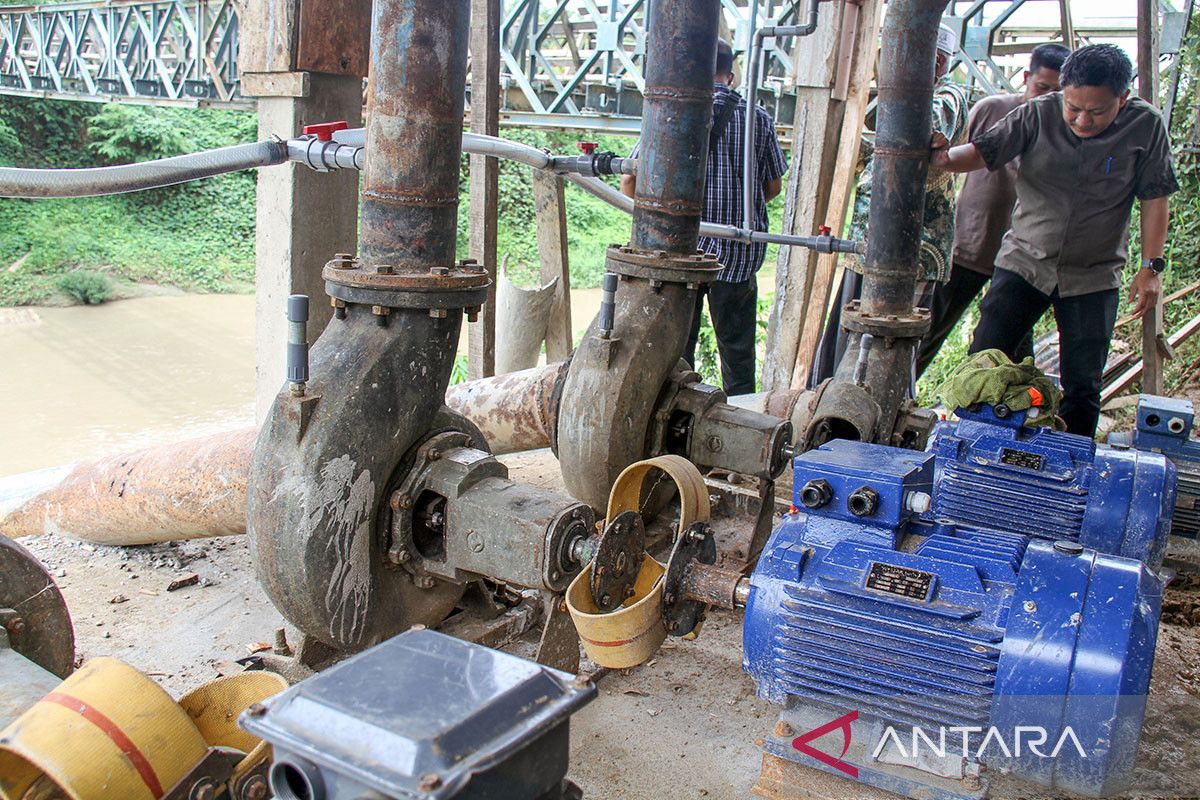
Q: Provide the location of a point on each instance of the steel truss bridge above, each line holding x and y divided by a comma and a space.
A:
564, 63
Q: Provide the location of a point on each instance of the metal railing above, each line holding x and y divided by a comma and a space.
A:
148, 51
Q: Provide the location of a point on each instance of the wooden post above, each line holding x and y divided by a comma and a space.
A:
804, 279
1152, 323
485, 177
550, 204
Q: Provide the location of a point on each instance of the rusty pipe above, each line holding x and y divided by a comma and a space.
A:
676, 117
901, 160
185, 490
414, 134
514, 412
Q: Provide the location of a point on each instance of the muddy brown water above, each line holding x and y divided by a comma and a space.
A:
88, 381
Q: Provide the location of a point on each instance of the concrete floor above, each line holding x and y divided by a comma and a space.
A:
682, 726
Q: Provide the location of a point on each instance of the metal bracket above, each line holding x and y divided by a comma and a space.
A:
682, 615
618, 559
559, 645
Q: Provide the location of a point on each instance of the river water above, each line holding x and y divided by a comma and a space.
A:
88, 381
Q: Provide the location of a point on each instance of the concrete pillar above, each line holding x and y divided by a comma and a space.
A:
304, 217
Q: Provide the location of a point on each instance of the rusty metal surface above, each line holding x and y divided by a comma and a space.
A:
710, 585
904, 122
32, 611
187, 490
334, 37
558, 646
515, 412
676, 117
617, 560
683, 611
414, 123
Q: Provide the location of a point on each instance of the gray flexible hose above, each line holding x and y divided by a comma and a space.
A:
42, 183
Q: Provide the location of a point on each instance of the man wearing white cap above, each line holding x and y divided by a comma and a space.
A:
950, 109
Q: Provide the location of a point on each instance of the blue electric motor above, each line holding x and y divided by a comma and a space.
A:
929, 655
994, 473
1164, 425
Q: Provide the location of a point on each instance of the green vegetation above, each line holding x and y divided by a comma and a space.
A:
87, 287
198, 236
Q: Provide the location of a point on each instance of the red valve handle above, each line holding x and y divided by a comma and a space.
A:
824, 230
324, 130
587, 147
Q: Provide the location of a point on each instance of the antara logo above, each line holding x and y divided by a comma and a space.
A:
841, 723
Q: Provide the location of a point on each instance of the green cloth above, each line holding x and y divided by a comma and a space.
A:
990, 377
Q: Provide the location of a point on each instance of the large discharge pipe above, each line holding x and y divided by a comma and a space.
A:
868, 396
326, 461
616, 378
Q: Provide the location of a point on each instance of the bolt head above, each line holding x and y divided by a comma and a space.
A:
606, 600
429, 781
1029, 606
439, 270
203, 791
15, 627
255, 789
783, 729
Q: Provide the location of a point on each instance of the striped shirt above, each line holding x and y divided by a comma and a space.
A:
723, 184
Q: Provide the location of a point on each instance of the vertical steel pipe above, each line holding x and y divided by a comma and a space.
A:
414, 134
676, 117
901, 161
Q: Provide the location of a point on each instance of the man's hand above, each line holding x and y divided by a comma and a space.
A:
1145, 290
939, 156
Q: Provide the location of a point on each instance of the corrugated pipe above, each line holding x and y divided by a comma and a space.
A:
44, 183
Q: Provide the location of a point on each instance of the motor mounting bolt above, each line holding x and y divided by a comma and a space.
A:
1029, 606
15, 627
255, 788
783, 729
429, 781
696, 535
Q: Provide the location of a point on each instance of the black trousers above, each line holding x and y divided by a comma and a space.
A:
1085, 325
949, 301
734, 311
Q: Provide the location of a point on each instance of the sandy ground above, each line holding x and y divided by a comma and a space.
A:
683, 726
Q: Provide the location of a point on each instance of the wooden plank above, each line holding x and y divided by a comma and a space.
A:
550, 205
1152, 322
335, 37
274, 84
842, 188
814, 154
485, 177
268, 30
1133, 373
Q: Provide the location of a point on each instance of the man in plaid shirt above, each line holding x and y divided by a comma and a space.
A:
733, 298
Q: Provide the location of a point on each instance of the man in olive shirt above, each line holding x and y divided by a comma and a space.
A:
985, 207
1086, 153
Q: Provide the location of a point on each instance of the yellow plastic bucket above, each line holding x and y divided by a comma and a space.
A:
106, 731
629, 635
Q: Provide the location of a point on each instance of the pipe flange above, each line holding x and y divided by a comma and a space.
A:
888, 326
696, 545
461, 286
659, 265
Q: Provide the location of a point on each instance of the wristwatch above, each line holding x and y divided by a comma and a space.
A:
1155, 265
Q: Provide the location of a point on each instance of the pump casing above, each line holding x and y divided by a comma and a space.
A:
996, 473
882, 622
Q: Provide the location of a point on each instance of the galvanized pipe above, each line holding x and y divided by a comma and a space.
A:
414, 134
901, 160
676, 117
